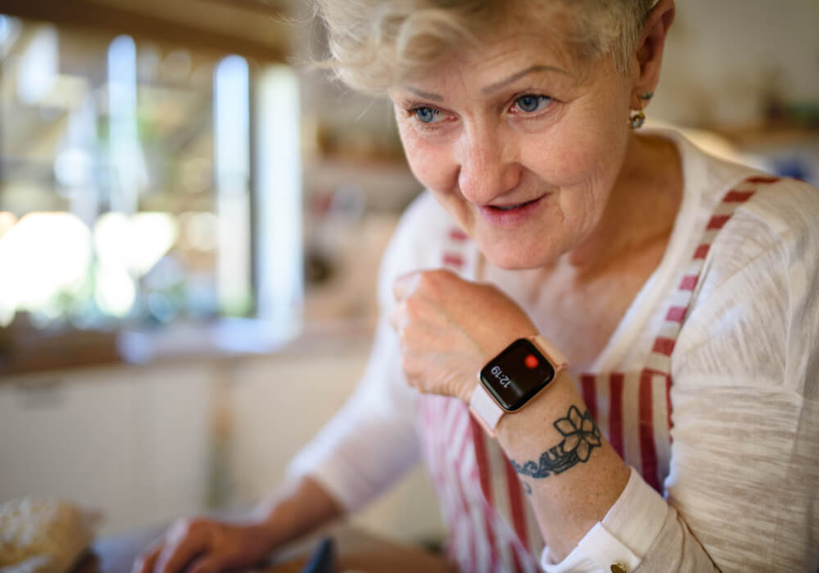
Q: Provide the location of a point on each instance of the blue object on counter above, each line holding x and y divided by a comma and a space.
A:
791, 168
323, 558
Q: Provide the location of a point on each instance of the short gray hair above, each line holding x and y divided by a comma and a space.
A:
375, 44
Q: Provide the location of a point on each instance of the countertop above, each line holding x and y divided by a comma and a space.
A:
356, 550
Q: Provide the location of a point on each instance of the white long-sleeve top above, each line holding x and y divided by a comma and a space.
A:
743, 486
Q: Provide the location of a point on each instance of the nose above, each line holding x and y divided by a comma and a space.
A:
489, 166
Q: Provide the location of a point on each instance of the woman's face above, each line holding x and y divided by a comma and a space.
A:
520, 141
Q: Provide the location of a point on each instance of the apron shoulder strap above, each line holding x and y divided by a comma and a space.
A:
659, 360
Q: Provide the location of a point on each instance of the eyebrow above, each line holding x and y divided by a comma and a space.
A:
425, 95
515, 77
496, 86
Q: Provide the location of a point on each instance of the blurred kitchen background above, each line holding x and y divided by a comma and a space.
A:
191, 224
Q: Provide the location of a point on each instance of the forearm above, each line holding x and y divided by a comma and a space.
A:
297, 508
574, 485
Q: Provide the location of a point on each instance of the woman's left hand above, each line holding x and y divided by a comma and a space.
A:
449, 328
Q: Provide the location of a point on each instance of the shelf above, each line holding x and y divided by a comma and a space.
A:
395, 167
756, 137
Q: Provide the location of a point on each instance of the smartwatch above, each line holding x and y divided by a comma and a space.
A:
515, 376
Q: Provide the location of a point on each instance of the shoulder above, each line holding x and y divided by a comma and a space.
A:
708, 177
780, 213
422, 220
418, 241
786, 208
757, 304
780, 216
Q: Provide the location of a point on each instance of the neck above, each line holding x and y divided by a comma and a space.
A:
641, 208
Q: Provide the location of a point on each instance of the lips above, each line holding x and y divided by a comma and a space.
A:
511, 207
510, 215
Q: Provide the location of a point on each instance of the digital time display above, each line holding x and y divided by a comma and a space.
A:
517, 374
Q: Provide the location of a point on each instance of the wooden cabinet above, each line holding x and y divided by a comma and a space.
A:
57, 439
279, 403
173, 454
149, 444
129, 442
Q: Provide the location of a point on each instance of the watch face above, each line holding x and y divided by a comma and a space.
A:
517, 374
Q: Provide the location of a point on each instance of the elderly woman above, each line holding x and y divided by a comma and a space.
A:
603, 342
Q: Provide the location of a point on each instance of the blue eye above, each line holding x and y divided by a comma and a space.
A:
426, 114
531, 103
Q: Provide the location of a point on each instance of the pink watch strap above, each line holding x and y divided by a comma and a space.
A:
483, 405
486, 409
552, 353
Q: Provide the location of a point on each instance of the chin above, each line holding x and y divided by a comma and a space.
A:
516, 257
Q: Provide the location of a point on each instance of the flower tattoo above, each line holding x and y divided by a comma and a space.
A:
580, 436
581, 433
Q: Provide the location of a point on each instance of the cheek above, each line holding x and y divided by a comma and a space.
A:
430, 163
586, 151
595, 133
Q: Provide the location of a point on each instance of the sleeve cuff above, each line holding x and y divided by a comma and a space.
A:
348, 499
624, 536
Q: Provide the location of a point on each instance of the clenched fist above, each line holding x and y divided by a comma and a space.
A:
449, 328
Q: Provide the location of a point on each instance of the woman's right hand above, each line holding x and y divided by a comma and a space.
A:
202, 545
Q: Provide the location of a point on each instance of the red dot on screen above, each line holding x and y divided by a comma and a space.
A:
531, 361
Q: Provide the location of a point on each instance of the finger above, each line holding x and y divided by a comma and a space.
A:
405, 285
145, 562
175, 556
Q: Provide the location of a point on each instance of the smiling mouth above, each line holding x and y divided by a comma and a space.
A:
512, 215
512, 207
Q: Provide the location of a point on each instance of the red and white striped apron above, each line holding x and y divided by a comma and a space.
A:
492, 528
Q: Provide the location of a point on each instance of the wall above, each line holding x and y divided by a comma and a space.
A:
723, 57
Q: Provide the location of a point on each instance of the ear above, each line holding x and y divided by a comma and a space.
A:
649, 56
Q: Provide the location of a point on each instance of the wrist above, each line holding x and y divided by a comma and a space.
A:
267, 529
514, 378
540, 413
298, 508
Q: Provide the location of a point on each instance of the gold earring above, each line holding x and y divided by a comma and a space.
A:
637, 119
646, 96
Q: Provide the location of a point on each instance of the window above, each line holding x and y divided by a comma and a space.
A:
143, 184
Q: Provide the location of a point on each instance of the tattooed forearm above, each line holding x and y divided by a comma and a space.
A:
580, 436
